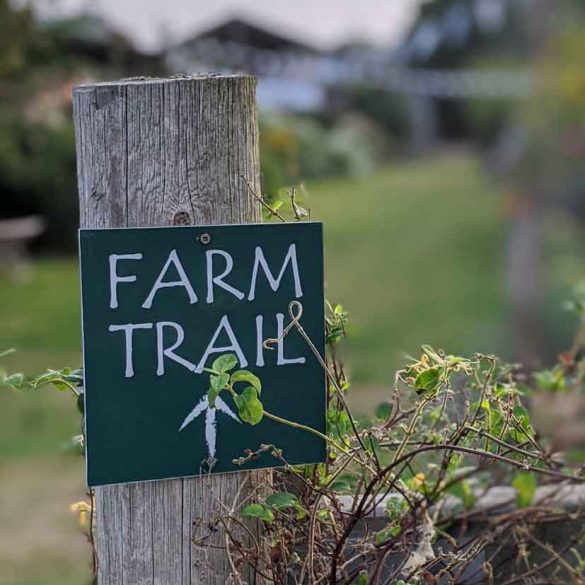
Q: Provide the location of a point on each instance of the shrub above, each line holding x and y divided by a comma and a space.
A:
37, 176
295, 147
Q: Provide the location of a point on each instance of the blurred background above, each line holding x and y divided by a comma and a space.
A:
441, 142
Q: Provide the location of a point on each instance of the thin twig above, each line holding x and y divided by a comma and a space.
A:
259, 198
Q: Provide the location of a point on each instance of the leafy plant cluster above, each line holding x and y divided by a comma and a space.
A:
64, 380
403, 498
247, 402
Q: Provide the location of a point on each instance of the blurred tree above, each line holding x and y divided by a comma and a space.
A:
37, 159
39, 64
22, 46
548, 169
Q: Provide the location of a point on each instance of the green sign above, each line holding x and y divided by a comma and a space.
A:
160, 305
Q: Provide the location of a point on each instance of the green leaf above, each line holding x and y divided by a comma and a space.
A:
361, 579
63, 380
15, 380
395, 508
428, 380
383, 411
522, 429
495, 422
387, 533
463, 491
431, 352
300, 512
341, 486
250, 408
374, 447
258, 511
246, 376
216, 385
551, 380
225, 363
338, 423
525, 486
282, 500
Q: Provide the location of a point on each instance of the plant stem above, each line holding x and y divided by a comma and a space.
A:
300, 426
315, 432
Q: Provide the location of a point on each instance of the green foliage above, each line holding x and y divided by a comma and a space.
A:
383, 411
225, 363
525, 486
361, 579
553, 119
427, 380
65, 380
248, 378
282, 500
336, 320
552, 380
250, 408
450, 415
464, 492
434, 371
567, 376
293, 147
37, 174
422, 447
216, 384
39, 62
577, 303
23, 45
276, 503
37, 152
259, 511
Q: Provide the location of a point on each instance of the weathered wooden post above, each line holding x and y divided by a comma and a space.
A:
161, 152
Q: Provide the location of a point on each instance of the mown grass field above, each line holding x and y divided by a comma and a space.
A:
415, 256
414, 252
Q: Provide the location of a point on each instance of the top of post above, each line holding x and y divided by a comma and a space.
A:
163, 80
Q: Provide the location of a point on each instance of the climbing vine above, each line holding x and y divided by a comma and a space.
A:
406, 497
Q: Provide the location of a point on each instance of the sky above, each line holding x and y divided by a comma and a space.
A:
321, 23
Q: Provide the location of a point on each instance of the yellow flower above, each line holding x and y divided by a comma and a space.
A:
84, 510
418, 480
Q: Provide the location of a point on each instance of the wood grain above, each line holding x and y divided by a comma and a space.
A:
157, 152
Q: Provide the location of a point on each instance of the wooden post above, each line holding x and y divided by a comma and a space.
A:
160, 152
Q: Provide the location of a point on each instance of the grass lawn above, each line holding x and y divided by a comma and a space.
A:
413, 252
40, 540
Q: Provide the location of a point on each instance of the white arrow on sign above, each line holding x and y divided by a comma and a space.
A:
210, 422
